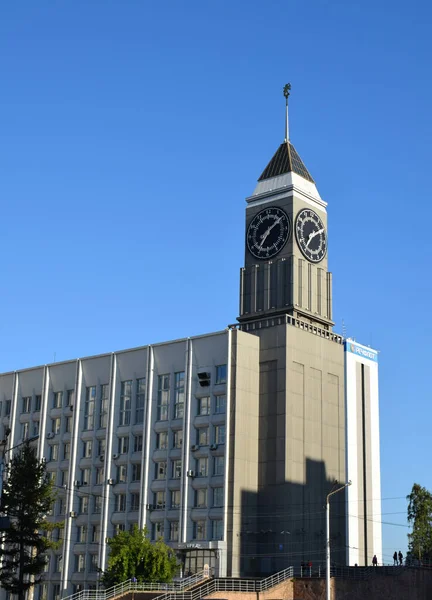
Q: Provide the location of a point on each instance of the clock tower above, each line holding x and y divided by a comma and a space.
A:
286, 267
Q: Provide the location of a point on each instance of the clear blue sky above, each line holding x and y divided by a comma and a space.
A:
131, 133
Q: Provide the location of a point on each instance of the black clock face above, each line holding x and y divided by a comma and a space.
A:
311, 235
268, 233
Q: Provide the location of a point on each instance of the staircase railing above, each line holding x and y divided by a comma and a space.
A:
134, 586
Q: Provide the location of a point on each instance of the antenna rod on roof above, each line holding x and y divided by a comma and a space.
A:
286, 93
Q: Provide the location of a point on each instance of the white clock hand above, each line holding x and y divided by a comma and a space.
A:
312, 235
267, 232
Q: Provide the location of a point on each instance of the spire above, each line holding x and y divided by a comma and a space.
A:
286, 158
286, 93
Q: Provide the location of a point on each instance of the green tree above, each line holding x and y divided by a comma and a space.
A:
132, 554
27, 496
420, 516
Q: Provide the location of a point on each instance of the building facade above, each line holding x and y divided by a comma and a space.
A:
225, 444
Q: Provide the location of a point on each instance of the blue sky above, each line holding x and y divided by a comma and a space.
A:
131, 133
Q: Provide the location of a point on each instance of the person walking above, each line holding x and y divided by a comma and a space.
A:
400, 558
375, 560
395, 559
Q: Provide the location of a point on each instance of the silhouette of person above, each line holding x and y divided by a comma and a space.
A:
375, 560
400, 558
395, 559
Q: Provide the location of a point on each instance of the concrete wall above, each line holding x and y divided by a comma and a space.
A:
243, 460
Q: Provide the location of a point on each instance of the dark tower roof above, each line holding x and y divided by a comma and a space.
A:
285, 160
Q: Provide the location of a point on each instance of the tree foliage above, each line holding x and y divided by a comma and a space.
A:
132, 554
420, 516
27, 496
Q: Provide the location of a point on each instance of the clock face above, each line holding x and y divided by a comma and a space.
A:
311, 235
268, 232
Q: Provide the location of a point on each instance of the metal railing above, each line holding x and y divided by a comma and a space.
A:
134, 586
230, 585
181, 590
348, 572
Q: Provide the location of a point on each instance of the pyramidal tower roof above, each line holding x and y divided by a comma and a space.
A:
286, 173
286, 160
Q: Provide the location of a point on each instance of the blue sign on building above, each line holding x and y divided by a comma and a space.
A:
361, 351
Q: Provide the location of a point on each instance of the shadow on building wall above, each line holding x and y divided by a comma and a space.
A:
284, 525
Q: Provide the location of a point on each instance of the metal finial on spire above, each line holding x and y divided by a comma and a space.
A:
286, 93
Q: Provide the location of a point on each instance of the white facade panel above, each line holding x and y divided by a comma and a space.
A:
361, 474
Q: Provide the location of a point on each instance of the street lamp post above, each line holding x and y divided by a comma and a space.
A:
339, 489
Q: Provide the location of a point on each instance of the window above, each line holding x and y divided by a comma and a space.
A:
89, 407
218, 496
136, 472
61, 507
47, 564
162, 440
85, 476
101, 446
100, 475
56, 425
179, 395
64, 476
219, 465
158, 530
26, 404
103, 410
96, 534
178, 439
202, 467
203, 436
56, 591
38, 402
8, 407
118, 528
176, 469
219, 434
58, 400
140, 400
68, 424
138, 443
35, 428
174, 531
204, 405
58, 563
66, 451
87, 449
175, 498
80, 563
97, 506
163, 398
199, 530
134, 501
160, 470
217, 529
25, 427
221, 374
70, 397
82, 534
54, 452
159, 500
83, 505
125, 402
122, 474
52, 476
201, 498
220, 405
120, 503
94, 565
123, 444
